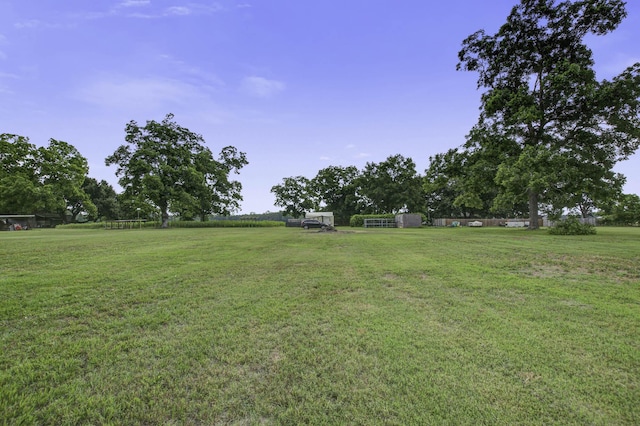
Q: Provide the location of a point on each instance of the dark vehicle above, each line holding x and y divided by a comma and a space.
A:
312, 223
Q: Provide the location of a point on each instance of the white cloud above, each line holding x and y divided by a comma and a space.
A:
204, 9
362, 155
190, 9
3, 42
350, 146
143, 9
30, 24
131, 93
35, 24
177, 10
261, 87
193, 73
7, 75
134, 3
117, 95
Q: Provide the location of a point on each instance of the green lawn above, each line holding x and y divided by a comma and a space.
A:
284, 326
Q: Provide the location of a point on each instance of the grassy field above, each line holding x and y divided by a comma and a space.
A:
283, 326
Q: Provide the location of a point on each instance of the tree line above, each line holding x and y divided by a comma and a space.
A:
46, 179
390, 186
549, 132
163, 168
548, 136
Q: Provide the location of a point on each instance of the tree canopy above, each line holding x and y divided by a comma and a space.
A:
104, 197
553, 130
337, 189
294, 194
390, 186
623, 211
169, 167
42, 180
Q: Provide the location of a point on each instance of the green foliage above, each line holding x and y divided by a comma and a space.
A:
624, 211
295, 195
387, 187
104, 197
65, 170
42, 180
391, 186
168, 167
441, 184
357, 220
337, 191
19, 195
461, 182
572, 226
567, 128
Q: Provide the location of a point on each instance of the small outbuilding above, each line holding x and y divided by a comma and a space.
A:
16, 222
324, 217
408, 220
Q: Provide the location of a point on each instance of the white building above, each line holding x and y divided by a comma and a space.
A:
324, 217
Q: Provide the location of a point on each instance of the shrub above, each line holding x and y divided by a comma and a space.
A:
572, 226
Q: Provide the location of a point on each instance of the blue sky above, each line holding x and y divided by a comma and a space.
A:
297, 85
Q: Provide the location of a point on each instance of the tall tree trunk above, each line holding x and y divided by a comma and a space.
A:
533, 209
165, 219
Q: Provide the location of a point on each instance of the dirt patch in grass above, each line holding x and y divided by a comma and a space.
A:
543, 271
560, 270
571, 268
576, 304
390, 277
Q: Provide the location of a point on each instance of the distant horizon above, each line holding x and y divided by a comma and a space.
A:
359, 81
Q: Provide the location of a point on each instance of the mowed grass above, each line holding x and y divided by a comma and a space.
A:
284, 326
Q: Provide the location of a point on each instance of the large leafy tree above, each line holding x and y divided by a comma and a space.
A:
391, 186
104, 197
19, 189
453, 185
64, 170
295, 195
623, 211
46, 179
478, 164
442, 184
542, 96
337, 190
220, 195
19, 195
17, 156
168, 166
